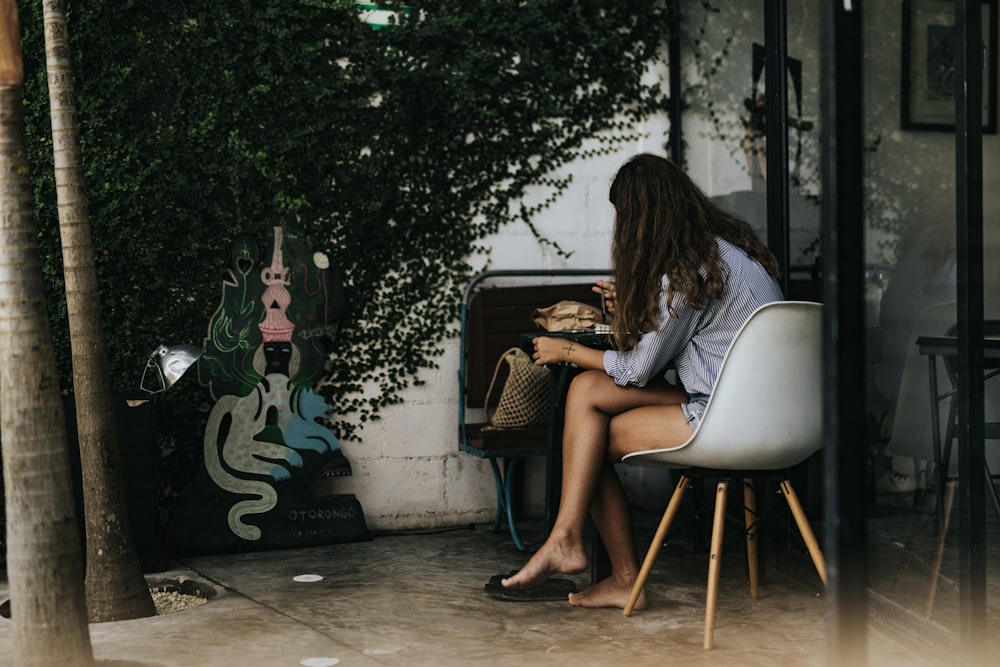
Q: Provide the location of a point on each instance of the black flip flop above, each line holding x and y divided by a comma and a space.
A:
547, 591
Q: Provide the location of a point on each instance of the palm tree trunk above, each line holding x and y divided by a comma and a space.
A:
44, 568
116, 588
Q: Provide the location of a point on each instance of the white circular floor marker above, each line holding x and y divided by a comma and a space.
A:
309, 578
320, 662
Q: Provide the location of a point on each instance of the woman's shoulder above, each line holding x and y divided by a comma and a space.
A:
732, 254
746, 271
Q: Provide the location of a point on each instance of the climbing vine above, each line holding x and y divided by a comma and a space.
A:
396, 150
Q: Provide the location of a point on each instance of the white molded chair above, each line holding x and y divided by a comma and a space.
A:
912, 431
911, 434
764, 417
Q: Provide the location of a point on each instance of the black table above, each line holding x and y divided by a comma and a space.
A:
946, 347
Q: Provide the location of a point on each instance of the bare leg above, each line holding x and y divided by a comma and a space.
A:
613, 517
592, 401
640, 428
584, 452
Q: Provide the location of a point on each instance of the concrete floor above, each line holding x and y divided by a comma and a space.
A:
417, 599
915, 577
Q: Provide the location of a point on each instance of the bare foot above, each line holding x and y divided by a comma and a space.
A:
556, 556
608, 593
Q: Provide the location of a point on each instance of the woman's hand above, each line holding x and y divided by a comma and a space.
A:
607, 292
553, 350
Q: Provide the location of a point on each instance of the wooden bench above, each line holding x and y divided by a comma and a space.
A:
496, 312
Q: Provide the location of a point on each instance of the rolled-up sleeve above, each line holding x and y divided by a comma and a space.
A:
655, 349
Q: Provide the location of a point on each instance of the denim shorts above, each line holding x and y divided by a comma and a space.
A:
694, 409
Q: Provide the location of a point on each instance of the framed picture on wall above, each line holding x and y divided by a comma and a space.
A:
929, 61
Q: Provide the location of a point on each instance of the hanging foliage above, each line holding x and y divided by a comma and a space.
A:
397, 149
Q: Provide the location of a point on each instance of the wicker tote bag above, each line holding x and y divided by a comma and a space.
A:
524, 400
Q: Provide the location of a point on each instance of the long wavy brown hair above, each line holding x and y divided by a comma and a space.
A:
666, 226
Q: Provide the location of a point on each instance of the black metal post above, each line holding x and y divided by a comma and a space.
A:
776, 109
846, 535
969, 249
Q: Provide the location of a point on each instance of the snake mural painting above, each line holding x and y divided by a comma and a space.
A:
267, 446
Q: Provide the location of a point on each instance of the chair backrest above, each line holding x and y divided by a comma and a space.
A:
766, 412
496, 318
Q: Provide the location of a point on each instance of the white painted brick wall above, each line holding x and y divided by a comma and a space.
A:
408, 471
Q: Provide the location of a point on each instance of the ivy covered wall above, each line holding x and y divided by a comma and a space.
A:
398, 150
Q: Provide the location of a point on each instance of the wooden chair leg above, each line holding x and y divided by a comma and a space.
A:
714, 565
654, 549
750, 517
949, 502
807, 534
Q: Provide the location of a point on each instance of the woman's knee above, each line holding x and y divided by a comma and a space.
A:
589, 379
587, 386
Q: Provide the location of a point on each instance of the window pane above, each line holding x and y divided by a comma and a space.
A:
911, 292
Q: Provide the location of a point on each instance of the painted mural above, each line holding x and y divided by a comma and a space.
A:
266, 442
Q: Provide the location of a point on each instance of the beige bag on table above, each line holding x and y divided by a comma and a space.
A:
566, 316
524, 400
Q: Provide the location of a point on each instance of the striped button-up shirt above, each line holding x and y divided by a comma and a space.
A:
695, 342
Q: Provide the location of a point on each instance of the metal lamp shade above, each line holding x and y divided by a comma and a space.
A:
166, 365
